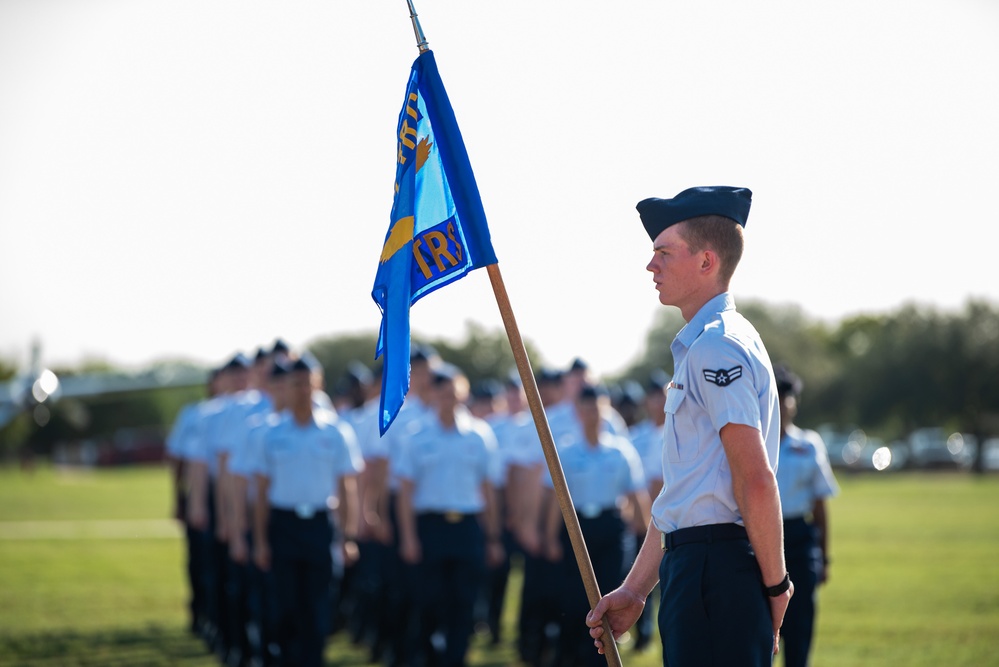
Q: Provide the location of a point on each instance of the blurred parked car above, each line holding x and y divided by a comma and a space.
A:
933, 448
858, 451
990, 458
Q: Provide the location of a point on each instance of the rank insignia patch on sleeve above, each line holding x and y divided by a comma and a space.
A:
722, 377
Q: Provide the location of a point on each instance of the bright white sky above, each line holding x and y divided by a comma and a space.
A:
183, 179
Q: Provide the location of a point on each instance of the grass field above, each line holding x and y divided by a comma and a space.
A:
91, 573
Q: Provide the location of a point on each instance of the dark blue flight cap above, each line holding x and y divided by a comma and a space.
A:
658, 379
788, 383
306, 362
728, 202
591, 392
578, 365
420, 352
487, 389
629, 393
548, 375
444, 372
280, 347
238, 362
513, 379
279, 368
357, 373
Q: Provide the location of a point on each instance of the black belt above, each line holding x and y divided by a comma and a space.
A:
596, 513
709, 533
449, 517
303, 512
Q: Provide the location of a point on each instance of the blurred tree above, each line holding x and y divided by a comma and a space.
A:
803, 345
919, 367
8, 369
484, 354
334, 352
480, 354
665, 326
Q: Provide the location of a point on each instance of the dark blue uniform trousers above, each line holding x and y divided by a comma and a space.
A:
804, 562
539, 609
605, 536
303, 574
713, 610
450, 576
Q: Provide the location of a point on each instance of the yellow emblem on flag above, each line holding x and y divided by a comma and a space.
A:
399, 236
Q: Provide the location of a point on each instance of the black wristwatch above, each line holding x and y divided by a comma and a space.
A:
774, 591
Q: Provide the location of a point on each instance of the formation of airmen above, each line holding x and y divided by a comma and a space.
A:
302, 521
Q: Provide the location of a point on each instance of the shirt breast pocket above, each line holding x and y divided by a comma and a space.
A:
279, 456
324, 449
679, 436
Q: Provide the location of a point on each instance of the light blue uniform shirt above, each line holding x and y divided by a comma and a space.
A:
804, 475
407, 423
567, 429
648, 440
511, 435
249, 460
598, 477
178, 443
722, 375
208, 432
565, 426
305, 463
448, 466
242, 408
520, 438
365, 423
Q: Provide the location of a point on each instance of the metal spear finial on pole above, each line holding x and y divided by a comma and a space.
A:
421, 40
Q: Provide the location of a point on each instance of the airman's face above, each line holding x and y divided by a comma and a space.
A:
448, 394
788, 409
655, 402
588, 411
299, 389
673, 267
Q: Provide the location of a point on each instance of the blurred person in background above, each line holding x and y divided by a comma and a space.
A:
309, 472
603, 473
805, 480
647, 437
449, 527
398, 634
206, 502
178, 447
488, 401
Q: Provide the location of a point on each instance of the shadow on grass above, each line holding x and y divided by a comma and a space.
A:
157, 646
139, 647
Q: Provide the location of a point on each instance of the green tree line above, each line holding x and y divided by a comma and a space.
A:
887, 373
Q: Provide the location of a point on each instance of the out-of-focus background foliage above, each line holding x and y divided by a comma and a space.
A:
918, 386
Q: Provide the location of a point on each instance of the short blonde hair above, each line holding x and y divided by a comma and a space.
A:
718, 233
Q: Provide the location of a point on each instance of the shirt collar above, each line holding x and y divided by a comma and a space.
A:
463, 420
708, 312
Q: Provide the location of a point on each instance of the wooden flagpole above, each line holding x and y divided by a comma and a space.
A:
551, 456
541, 423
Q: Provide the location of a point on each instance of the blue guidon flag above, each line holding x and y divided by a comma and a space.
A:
437, 231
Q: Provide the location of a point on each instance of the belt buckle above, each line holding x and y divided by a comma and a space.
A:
453, 517
304, 511
662, 541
